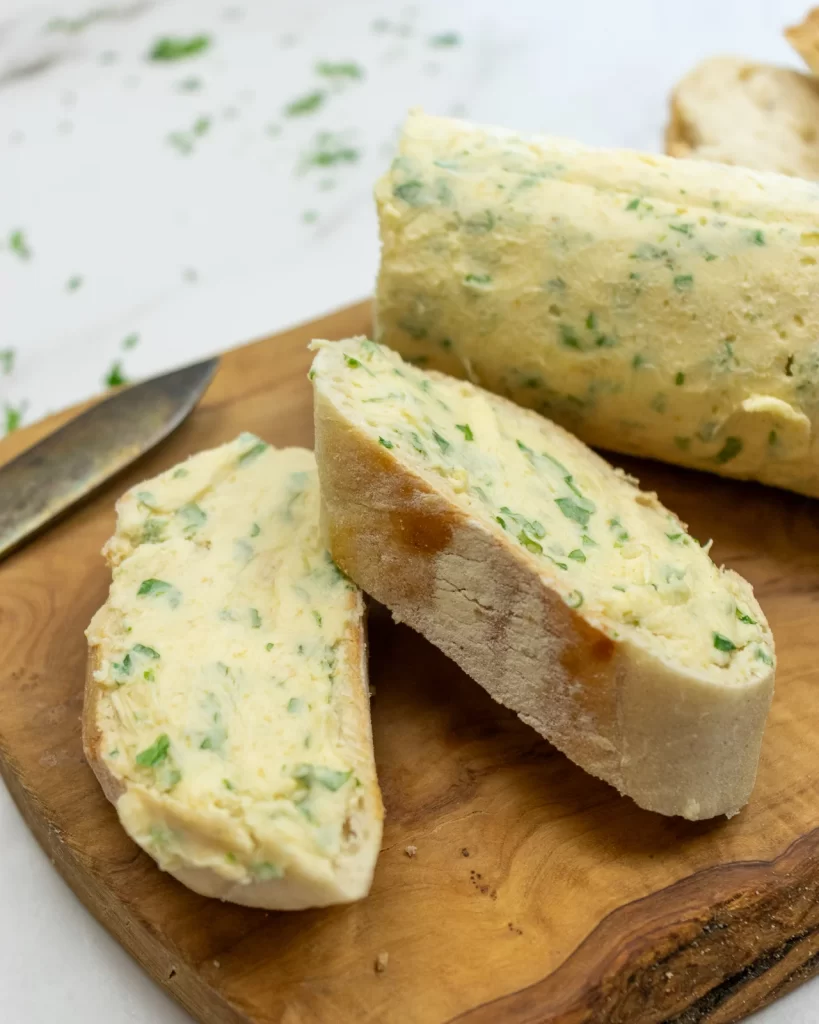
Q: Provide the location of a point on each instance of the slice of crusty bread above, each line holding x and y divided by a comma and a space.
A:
804, 38
227, 706
737, 112
570, 595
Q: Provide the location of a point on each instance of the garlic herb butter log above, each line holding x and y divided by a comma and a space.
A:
570, 595
666, 308
227, 704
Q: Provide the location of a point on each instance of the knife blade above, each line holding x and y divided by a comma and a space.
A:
47, 479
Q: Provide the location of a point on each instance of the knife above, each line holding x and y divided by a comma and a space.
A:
57, 472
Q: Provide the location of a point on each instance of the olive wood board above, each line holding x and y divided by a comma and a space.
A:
535, 892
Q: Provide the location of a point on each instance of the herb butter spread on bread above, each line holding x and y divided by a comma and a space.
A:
227, 703
660, 307
573, 597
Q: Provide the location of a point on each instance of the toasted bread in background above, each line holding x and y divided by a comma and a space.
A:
804, 38
754, 115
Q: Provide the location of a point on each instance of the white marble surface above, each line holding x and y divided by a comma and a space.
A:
196, 252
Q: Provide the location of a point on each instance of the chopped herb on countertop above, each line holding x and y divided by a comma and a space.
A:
307, 104
73, 283
171, 48
330, 150
445, 39
190, 84
7, 357
19, 245
310, 216
340, 69
130, 341
115, 377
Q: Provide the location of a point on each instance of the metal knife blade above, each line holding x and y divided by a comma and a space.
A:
47, 479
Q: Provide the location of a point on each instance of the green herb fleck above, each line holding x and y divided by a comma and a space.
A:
269, 647
340, 69
410, 192
156, 753
159, 588
387, 444
305, 104
317, 617
146, 652
330, 150
568, 337
255, 619
445, 39
115, 377
577, 555
18, 245
73, 283
574, 599
478, 279
684, 282
442, 442
466, 430
330, 778
176, 48
758, 237
7, 356
762, 655
637, 362
295, 705
773, 437
675, 537
684, 229
679, 379
579, 511
722, 643
633, 204
255, 530
252, 453
591, 322
744, 617
729, 450
193, 517
13, 416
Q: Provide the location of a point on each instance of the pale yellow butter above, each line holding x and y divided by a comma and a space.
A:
666, 308
220, 648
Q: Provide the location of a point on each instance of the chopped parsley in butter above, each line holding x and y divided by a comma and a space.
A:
603, 544
218, 650
653, 306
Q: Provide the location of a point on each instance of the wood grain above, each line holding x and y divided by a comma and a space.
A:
536, 893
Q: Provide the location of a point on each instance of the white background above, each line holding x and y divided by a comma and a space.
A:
195, 253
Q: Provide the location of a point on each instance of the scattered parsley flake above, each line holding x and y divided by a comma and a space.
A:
19, 245
177, 48
190, 84
387, 444
684, 282
466, 430
115, 377
308, 104
74, 283
310, 216
340, 69
130, 341
744, 617
445, 39
330, 150
679, 379
255, 619
7, 357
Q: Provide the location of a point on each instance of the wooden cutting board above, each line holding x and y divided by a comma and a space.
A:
536, 894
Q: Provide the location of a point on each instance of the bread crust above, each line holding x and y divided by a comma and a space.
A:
363, 828
804, 38
674, 742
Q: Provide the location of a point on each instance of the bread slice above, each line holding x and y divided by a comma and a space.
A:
227, 705
570, 595
804, 38
737, 112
